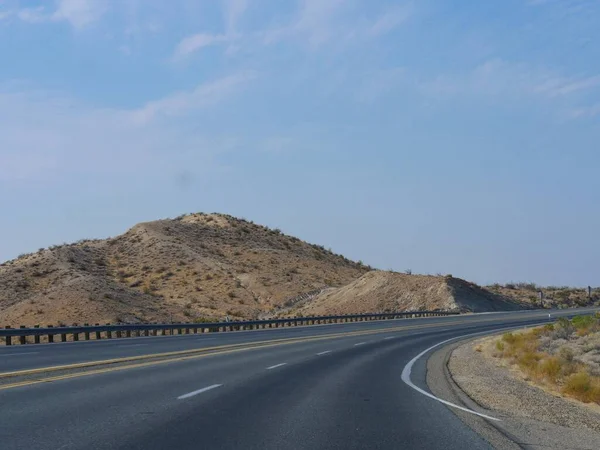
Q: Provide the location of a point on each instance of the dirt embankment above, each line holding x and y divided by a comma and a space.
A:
390, 291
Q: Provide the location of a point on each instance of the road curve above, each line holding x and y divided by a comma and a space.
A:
332, 387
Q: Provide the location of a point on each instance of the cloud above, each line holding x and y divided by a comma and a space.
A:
203, 95
314, 22
233, 11
390, 20
585, 112
498, 77
47, 136
195, 42
559, 86
79, 13
33, 15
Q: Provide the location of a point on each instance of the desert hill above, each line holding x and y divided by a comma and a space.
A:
380, 291
195, 267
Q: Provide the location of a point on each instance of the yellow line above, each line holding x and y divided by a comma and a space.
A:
205, 352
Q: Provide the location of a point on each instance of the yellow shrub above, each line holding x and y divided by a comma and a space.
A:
529, 360
550, 368
578, 385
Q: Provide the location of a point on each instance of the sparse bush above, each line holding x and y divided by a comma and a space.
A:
581, 386
550, 368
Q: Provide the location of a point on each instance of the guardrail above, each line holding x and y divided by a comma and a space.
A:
108, 331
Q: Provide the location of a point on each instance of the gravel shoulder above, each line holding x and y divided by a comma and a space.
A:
530, 417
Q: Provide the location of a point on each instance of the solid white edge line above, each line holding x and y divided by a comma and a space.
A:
324, 353
408, 368
199, 391
276, 366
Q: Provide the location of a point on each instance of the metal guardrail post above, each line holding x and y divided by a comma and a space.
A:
22, 339
8, 338
86, 334
98, 334
75, 335
50, 335
36, 338
108, 332
63, 337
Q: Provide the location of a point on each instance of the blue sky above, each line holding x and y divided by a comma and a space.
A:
440, 136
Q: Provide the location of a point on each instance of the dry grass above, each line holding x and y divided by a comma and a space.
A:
558, 356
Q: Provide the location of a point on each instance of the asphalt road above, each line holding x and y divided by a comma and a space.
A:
333, 387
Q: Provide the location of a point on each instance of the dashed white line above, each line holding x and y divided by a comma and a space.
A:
19, 354
389, 337
360, 343
276, 366
199, 391
131, 345
324, 353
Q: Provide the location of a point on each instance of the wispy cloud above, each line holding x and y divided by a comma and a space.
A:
391, 20
203, 95
314, 22
559, 86
195, 42
500, 77
79, 13
47, 135
233, 12
585, 112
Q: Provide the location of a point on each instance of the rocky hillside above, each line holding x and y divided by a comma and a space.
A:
380, 291
553, 296
196, 267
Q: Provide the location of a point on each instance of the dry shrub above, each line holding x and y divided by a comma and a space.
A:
582, 386
550, 368
561, 370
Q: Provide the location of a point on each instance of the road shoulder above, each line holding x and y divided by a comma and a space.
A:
530, 417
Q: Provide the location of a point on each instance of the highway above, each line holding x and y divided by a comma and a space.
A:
319, 387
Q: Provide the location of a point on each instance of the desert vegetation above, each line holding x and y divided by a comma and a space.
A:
552, 296
562, 356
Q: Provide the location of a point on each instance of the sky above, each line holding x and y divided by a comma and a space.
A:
438, 136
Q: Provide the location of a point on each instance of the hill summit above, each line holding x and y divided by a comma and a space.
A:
195, 267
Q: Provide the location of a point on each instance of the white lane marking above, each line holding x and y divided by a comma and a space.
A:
19, 354
131, 345
199, 391
207, 339
389, 337
408, 368
276, 366
360, 343
324, 353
